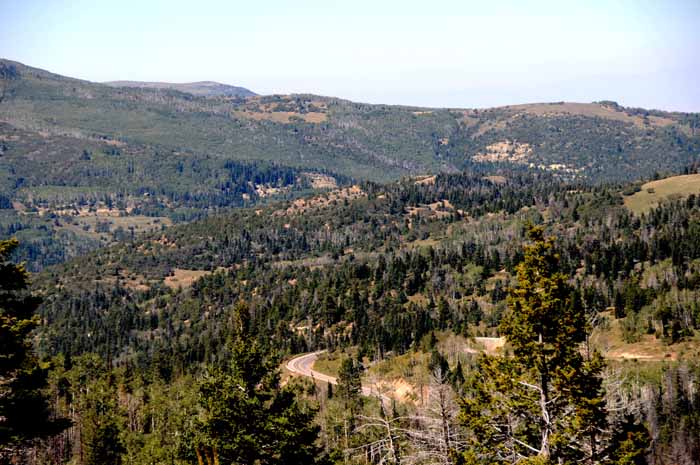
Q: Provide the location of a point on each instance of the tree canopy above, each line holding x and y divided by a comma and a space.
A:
246, 417
542, 402
24, 410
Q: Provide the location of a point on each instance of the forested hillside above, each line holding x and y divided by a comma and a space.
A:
599, 141
506, 285
76, 154
382, 276
447, 247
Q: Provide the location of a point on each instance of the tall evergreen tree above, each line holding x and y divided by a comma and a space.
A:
101, 424
544, 402
350, 385
246, 417
24, 410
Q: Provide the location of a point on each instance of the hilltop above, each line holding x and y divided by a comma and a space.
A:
75, 154
203, 88
593, 141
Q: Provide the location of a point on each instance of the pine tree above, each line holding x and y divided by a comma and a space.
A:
544, 402
629, 442
350, 384
24, 410
101, 425
246, 417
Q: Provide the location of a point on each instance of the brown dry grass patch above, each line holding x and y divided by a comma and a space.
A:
183, 278
655, 192
590, 110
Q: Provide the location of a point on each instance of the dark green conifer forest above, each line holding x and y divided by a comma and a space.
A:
404, 286
254, 280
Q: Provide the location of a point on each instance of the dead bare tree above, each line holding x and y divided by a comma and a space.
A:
429, 435
436, 434
385, 448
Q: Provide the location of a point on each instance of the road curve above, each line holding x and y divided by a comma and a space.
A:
302, 365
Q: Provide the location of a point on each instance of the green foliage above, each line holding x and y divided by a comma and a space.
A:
101, 428
24, 410
68, 144
350, 274
378, 142
246, 417
380, 272
350, 384
545, 401
629, 443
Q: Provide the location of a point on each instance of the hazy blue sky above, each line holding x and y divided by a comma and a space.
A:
429, 52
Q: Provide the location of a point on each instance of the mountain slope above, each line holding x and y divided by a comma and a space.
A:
203, 88
601, 141
73, 153
381, 265
394, 275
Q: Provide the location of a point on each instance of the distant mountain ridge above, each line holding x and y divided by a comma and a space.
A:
73, 148
201, 88
594, 142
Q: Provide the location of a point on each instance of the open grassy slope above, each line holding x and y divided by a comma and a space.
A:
203, 89
654, 192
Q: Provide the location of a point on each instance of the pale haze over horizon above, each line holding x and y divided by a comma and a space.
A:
435, 54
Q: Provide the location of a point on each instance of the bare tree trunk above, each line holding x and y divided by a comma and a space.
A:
444, 416
545, 451
395, 456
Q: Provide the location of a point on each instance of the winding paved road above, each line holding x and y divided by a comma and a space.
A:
302, 365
